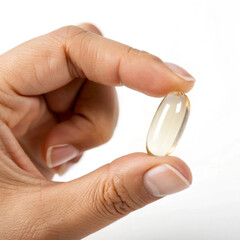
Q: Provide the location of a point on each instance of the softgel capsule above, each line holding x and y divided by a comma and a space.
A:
168, 124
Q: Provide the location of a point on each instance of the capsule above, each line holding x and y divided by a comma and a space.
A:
168, 124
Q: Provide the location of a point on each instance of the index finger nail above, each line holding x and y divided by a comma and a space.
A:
182, 73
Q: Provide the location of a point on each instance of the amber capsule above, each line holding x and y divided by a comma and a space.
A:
168, 124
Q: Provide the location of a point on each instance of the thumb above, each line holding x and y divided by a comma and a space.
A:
95, 200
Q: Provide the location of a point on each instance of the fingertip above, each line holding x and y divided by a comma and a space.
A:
147, 73
180, 166
183, 79
160, 176
143, 161
180, 71
170, 176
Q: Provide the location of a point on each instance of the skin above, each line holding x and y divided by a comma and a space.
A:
59, 89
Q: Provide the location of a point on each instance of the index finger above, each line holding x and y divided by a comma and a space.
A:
51, 61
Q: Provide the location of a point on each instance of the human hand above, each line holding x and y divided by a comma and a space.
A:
58, 90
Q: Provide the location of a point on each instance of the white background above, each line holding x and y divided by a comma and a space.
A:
202, 36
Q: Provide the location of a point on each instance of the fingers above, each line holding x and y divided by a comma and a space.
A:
93, 122
62, 99
51, 61
94, 201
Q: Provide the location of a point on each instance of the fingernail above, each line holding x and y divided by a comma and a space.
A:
163, 180
59, 154
182, 73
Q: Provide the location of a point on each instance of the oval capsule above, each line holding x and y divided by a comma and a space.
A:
168, 124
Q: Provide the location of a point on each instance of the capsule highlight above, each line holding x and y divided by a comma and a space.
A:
168, 124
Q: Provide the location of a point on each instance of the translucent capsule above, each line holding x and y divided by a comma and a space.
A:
168, 124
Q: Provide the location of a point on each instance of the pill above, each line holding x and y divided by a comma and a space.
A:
168, 124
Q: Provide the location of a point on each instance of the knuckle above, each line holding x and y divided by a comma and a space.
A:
97, 133
141, 53
68, 31
90, 27
133, 51
104, 135
136, 52
100, 133
116, 200
67, 37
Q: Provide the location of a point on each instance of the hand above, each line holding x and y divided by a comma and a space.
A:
57, 100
